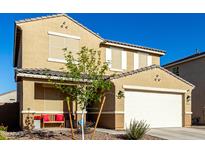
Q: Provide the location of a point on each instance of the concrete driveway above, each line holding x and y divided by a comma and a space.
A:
194, 133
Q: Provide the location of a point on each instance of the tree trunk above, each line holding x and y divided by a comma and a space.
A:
70, 118
96, 124
82, 124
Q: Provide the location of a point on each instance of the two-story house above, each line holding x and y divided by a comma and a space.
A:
192, 69
151, 93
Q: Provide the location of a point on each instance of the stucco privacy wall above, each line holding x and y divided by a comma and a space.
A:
147, 79
35, 40
194, 72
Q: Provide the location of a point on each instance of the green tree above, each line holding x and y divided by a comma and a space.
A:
87, 73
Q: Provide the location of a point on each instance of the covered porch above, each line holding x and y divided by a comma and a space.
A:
48, 106
41, 100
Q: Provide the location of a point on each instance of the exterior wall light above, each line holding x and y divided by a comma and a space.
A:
188, 98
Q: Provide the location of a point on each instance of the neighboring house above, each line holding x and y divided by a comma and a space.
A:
192, 69
8, 97
9, 110
151, 93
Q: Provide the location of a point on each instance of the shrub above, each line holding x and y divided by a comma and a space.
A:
3, 128
2, 136
136, 130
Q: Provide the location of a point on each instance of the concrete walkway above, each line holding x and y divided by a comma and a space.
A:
194, 133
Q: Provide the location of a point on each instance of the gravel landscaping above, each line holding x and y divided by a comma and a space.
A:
65, 134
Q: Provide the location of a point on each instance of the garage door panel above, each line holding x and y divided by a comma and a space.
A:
158, 109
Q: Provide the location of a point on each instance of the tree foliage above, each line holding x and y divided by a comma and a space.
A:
87, 75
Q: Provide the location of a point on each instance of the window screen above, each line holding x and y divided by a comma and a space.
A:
136, 61
143, 59
116, 58
58, 43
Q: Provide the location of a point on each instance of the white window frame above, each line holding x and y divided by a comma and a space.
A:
149, 60
124, 59
63, 35
108, 57
57, 60
136, 61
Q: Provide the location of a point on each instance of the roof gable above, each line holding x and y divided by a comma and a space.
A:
158, 51
55, 16
148, 68
103, 41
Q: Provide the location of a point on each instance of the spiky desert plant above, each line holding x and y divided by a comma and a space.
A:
137, 129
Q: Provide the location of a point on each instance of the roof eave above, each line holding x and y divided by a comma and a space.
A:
25, 75
134, 48
182, 61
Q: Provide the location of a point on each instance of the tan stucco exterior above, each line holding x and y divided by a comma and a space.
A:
37, 94
194, 72
41, 97
34, 49
145, 79
35, 43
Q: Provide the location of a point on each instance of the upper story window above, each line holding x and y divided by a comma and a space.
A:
58, 42
175, 70
117, 59
142, 60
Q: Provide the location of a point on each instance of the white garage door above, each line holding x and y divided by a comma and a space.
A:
158, 109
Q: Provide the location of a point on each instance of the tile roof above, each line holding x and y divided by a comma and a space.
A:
125, 74
60, 74
38, 71
45, 72
133, 45
196, 55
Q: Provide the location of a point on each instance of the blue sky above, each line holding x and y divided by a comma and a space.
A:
178, 34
